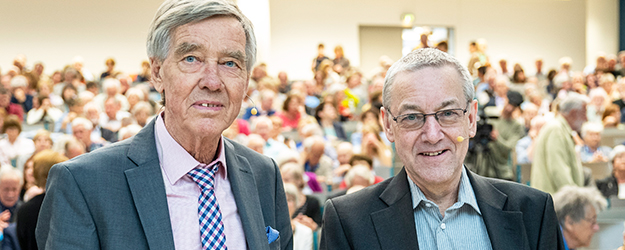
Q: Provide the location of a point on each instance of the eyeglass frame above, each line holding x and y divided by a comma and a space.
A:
425, 116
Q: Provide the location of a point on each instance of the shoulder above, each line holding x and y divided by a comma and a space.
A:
362, 201
518, 195
106, 158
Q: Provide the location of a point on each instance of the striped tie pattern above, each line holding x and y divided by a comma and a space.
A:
211, 225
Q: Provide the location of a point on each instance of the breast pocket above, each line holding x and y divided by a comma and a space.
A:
275, 245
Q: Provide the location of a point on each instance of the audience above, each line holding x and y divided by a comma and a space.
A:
307, 122
28, 213
11, 182
302, 235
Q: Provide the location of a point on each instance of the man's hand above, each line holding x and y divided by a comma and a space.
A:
306, 221
598, 157
4, 219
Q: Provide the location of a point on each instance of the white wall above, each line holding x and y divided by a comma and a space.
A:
601, 28
55, 31
520, 29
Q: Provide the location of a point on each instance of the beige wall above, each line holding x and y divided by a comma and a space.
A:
518, 29
601, 28
56, 31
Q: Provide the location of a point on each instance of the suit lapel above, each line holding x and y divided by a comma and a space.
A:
148, 190
505, 228
245, 193
395, 224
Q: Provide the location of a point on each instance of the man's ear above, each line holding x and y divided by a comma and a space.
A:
386, 120
473, 118
568, 223
156, 78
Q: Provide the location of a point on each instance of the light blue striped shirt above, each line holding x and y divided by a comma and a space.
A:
461, 228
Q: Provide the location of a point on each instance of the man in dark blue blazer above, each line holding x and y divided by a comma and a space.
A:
435, 202
143, 192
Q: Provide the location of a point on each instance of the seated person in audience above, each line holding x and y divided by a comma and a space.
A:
112, 89
525, 146
128, 131
42, 141
45, 113
326, 115
614, 185
10, 186
113, 115
358, 177
73, 148
29, 212
10, 108
14, 146
263, 126
344, 152
611, 117
308, 210
591, 151
63, 124
373, 146
576, 209
143, 113
92, 113
19, 85
81, 129
370, 116
302, 235
316, 161
363, 160
134, 96
256, 142
292, 112
266, 105
530, 111
30, 188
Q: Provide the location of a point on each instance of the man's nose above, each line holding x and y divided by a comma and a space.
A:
210, 77
432, 130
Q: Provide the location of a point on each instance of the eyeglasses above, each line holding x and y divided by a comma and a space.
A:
592, 220
446, 118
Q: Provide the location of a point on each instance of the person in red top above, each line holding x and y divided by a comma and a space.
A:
11, 108
364, 160
292, 110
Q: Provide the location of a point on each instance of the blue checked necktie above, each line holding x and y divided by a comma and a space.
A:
211, 225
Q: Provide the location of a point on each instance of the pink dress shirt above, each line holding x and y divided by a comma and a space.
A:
183, 192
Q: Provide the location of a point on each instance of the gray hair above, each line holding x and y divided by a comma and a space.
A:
359, 170
591, 127
111, 83
572, 201
423, 58
9, 172
291, 190
616, 152
175, 13
572, 101
259, 120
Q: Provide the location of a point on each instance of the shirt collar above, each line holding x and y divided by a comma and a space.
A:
177, 162
465, 193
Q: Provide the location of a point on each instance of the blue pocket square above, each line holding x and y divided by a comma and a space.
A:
272, 234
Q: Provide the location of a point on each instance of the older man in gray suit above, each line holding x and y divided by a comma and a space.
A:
178, 183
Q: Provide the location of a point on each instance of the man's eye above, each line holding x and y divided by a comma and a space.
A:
448, 112
190, 59
230, 64
411, 117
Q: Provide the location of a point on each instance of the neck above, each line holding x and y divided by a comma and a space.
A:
201, 147
571, 242
326, 123
443, 194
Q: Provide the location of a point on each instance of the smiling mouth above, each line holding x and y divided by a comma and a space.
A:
434, 153
210, 105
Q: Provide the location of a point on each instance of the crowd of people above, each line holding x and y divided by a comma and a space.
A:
325, 133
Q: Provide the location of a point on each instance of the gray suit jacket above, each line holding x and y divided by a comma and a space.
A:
381, 217
114, 198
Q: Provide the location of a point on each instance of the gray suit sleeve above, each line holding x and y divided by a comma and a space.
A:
283, 221
65, 221
332, 234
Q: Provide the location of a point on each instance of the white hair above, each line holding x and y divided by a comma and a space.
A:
591, 127
359, 170
9, 172
110, 83
571, 201
19, 81
616, 152
82, 121
129, 130
135, 91
312, 140
261, 119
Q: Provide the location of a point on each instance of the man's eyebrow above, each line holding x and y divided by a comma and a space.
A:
419, 109
185, 48
238, 55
